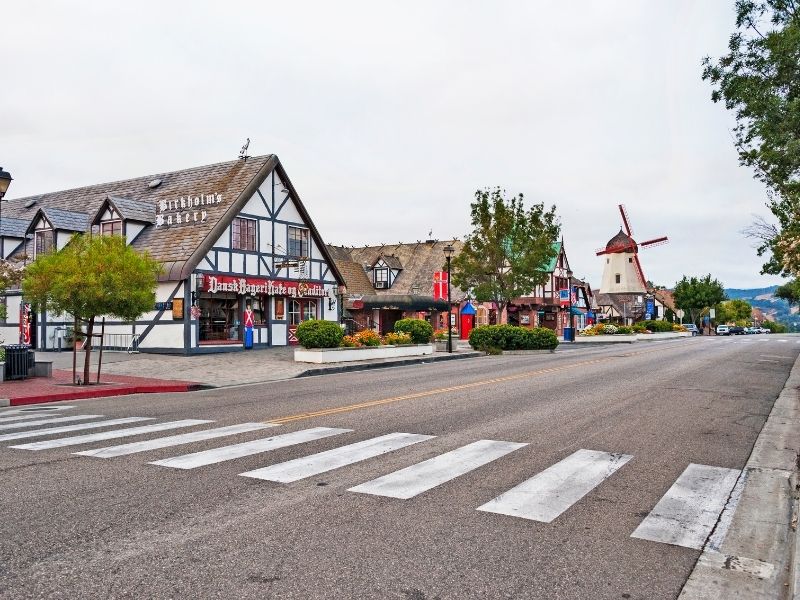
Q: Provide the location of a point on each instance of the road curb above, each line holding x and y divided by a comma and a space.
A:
103, 393
385, 365
758, 556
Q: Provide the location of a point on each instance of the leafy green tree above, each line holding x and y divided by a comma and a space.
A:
774, 327
92, 276
693, 295
789, 291
734, 311
504, 255
759, 80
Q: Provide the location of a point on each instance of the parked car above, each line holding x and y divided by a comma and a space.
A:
750, 330
723, 330
764, 330
736, 330
692, 328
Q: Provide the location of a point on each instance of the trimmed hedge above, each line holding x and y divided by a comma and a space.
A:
419, 330
319, 334
658, 326
511, 337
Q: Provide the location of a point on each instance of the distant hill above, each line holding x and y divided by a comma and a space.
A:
764, 299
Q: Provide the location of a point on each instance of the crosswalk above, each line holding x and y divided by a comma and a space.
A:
685, 516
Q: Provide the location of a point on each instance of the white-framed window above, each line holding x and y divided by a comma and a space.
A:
243, 234
309, 310
381, 277
298, 241
111, 228
481, 316
43, 242
294, 312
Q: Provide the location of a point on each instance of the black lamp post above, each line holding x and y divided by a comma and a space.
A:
5, 181
448, 252
571, 316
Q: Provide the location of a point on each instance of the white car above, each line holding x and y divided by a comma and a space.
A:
723, 330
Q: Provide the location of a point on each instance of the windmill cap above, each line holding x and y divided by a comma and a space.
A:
622, 241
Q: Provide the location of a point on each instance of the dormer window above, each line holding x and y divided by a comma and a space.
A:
43, 242
381, 277
111, 228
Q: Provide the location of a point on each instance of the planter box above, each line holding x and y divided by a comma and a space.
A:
605, 339
336, 355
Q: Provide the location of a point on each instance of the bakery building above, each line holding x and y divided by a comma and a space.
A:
236, 244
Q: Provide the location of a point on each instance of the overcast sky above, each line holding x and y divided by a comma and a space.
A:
389, 115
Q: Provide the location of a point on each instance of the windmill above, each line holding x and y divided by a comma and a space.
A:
623, 246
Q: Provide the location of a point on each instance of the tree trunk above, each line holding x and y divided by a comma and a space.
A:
87, 347
502, 317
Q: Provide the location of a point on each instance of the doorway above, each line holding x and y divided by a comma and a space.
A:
299, 311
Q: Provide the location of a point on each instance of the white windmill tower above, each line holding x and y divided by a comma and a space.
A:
622, 271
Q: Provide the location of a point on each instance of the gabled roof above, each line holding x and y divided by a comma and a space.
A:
11, 227
550, 266
391, 261
128, 210
178, 248
419, 260
60, 219
355, 278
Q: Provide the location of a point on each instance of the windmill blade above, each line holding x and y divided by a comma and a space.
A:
640, 272
625, 221
655, 242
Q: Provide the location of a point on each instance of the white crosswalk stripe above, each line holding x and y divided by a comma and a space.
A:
322, 462
109, 435
546, 495
218, 455
687, 513
174, 440
18, 417
67, 428
409, 482
22, 424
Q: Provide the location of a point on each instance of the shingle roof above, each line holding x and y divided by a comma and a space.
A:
419, 261
391, 261
11, 227
178, 247
622, 242
134, 210
65, 220
355, 277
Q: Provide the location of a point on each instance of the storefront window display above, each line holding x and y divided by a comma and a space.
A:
219, 318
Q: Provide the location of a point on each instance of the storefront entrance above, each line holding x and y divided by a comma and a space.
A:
299, 311
219, 318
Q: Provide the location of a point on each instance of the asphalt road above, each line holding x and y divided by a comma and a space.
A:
87, 527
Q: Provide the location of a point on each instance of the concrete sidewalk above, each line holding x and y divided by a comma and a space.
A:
757, 558
230, 368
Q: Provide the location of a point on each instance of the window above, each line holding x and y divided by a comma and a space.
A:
381, 277
309, 310
617, 278
482, 317
111, 228
243, 233
294, 312
43, 242
630, 260
298, 241
280, 309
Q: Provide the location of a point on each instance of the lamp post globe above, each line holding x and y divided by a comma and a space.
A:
448, 252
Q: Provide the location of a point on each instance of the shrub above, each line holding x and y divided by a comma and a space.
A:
396, 339
677, 327
658, 326
319, 334
368, 337
639, 328
440, 334
510, 337
419, 330
624, 330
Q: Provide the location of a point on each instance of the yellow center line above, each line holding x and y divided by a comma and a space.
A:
452, 388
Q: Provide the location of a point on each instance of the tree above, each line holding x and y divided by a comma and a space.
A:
774, 327
694, 294
759, 80
92, 276
504, 256
734, 311
789, 291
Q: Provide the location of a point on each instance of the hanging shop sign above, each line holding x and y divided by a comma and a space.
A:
186, 210
563, 296
253, 286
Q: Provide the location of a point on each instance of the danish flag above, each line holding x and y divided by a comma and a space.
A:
440, 285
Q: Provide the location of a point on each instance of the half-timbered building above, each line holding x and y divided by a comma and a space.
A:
228, 236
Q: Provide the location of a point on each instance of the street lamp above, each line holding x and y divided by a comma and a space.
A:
448, 252
5, 181
571, 318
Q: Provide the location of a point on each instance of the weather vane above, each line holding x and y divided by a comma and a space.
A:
243, 151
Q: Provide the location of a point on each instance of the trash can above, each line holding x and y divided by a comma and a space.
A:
569, 334
18, 361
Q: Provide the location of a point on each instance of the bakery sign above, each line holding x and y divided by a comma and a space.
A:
213, 284
186, 210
